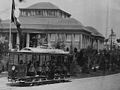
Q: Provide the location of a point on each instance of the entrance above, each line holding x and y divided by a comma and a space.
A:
37, 39
33, 40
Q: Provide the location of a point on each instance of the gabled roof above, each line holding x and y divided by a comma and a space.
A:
50, 21
47, 23
94, 31
43, 5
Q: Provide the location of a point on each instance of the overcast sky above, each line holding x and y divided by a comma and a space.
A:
88, 12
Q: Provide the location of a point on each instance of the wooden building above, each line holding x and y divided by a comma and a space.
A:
45, 23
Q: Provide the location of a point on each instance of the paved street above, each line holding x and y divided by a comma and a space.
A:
111, 82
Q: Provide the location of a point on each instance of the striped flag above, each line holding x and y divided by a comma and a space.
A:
16, 22
13, 18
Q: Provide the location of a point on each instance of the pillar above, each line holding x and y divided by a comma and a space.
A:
98, 42
18, 41
72, 41
81, 41
28, 40
49, 43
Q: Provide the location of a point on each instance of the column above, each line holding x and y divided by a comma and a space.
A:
17, 41
28, 40
81, 41
49, 43
56, 37
72, 41
39, 41
98, 45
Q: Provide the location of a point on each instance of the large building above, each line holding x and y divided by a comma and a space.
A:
45, 23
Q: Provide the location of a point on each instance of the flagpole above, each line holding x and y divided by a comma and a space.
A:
107, 18
10, 44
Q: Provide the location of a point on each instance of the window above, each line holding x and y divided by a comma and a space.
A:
33, 13
42, 39
50, 13
53, 37
28, 13
76, 37
44, 12
41, 13
68, 38
24, 13
61, 37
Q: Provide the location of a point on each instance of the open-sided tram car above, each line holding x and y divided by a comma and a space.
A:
36, 67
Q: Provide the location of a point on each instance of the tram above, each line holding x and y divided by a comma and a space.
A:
34, 65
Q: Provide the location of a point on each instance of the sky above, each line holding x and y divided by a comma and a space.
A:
89, 12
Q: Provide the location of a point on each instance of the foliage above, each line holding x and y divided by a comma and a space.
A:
104, 60
86, 58
3, 48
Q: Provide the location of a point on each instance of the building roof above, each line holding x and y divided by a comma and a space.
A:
43, 5
46, 23
50, 21
94, 31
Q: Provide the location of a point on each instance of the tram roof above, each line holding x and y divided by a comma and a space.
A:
42, 50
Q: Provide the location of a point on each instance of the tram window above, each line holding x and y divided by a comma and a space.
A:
11, 58
16, 59
44, 61
37, 57
58, 59
41, 60
47, 60
62, 59
22, 58
65, 59
29, 58
52, 57
47, 57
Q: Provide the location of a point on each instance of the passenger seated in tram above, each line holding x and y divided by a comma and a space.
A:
21, 62
39, 70
38, 67
31, 69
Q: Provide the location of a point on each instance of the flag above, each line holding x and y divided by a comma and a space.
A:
13, 18
16, 22
13, 10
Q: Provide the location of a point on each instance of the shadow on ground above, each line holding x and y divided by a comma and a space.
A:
15, 84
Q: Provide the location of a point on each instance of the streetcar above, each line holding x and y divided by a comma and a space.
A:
34, 65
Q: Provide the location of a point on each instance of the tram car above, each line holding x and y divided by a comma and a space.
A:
32, 65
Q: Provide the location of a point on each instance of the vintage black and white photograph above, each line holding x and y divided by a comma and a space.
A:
59, 45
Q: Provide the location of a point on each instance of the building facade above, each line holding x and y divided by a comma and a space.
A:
44, 23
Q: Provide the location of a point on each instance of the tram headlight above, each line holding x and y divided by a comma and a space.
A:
13, 68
